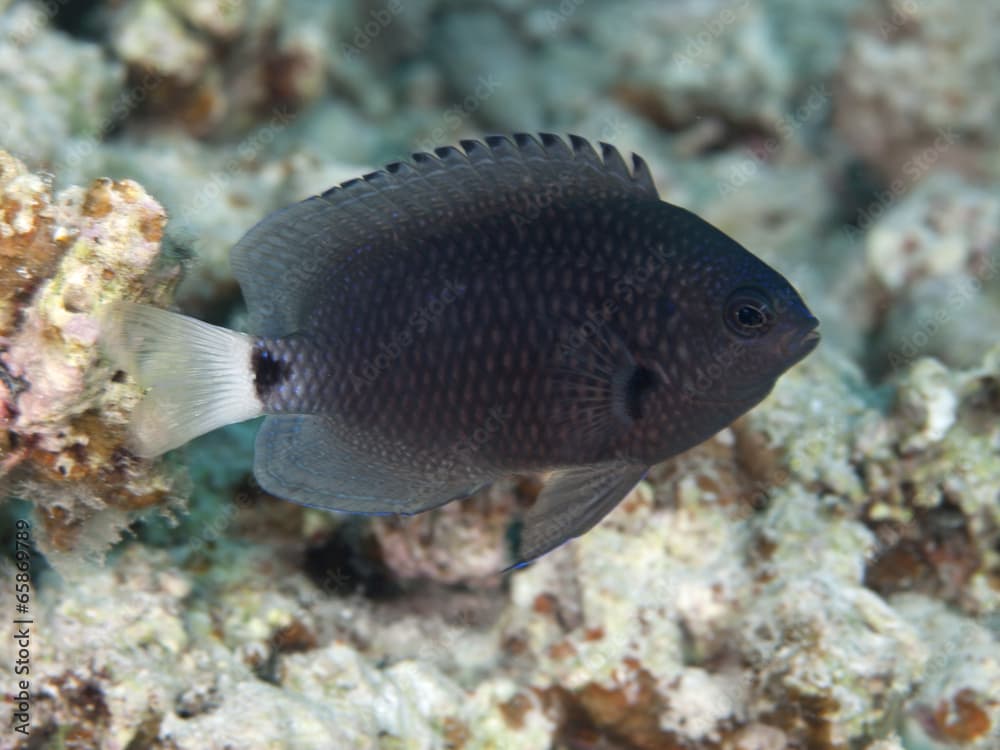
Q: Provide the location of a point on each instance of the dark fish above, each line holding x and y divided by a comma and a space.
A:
520, 305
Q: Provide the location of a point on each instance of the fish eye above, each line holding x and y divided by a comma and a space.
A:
749, 313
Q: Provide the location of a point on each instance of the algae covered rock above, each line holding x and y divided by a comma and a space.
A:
59, 95
456, 543
933, 257
130, 655
916, 87
64, 409
214, 66
957, 702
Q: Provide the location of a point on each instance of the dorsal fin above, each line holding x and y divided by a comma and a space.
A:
280, 261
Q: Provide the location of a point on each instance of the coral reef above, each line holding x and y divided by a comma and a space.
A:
933, 259
673, 64
158, 657
696, 59
915, 88
932, 476
213, 195
917, 466
63, 412
957, 703
823, 575
212, 67
813, 35
461, 542
59, 95
944, 227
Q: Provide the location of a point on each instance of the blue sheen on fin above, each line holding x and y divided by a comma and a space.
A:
302, 458
570, 504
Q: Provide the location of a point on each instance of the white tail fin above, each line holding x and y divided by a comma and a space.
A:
199, 376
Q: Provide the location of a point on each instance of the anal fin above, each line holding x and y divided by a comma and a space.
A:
304, 458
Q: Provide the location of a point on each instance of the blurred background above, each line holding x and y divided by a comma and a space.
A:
825, 574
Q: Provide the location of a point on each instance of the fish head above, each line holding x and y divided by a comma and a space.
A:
771, 327
743, 326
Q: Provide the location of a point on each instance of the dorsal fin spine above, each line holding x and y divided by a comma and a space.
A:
307, 239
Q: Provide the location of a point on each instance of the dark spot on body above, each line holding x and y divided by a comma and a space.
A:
268, 370
640, 382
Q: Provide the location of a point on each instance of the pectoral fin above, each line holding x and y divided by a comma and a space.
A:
600, 389
570, 504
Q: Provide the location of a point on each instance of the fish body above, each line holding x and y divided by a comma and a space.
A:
520, 305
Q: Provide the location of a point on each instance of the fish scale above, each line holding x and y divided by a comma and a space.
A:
518, 305
403, 412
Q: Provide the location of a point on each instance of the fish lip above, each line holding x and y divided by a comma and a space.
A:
809, 342
799, 343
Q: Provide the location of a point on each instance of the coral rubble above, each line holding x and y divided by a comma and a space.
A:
916, 87
64, 411
60, 96
822, 575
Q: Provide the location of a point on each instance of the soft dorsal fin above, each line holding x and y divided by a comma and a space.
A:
281, 259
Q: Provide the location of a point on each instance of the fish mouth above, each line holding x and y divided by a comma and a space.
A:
810, 341
799, 344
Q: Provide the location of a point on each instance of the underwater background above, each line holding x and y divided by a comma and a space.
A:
824, 574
